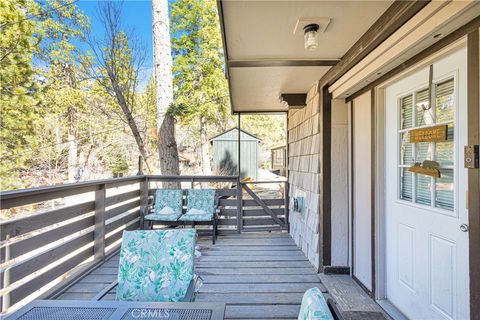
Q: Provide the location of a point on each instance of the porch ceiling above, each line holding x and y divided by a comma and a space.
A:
265, 58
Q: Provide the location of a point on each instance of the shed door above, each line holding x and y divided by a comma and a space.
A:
426, 250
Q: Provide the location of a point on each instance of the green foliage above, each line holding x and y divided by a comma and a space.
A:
117, 162
270, 128
48, 100
200, 87
59, 25
17, 89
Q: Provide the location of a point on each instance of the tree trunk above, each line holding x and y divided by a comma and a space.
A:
130, 120
72, 145
167, 146
206, 167
72, 129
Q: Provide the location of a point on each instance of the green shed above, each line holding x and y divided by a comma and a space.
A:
225, 153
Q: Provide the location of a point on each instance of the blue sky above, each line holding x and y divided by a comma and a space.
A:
136, 14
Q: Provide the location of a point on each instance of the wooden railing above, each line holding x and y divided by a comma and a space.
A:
42, 253
264, 210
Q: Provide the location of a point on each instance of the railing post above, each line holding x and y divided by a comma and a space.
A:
239, 207
6, 278
99, 229
144, 190
287, 204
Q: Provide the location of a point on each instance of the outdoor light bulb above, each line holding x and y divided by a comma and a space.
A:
310, 36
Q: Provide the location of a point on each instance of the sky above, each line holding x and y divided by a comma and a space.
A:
137, 15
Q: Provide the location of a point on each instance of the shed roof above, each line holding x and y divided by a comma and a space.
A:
245, 135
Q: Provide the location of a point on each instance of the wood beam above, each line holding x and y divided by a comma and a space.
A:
295, 100
281, 63
392, 19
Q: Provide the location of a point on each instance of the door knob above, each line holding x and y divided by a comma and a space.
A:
464, 227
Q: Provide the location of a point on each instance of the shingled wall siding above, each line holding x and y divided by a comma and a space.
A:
304, 173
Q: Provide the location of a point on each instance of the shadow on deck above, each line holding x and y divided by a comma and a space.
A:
258, 275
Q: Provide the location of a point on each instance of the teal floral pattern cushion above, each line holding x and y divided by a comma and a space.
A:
155, 265
197, 217
201, 199
314, 306
167, 198
162, 217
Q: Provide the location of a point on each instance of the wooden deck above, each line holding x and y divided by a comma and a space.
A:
258, 275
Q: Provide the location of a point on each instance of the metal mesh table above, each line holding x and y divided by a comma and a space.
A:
177, 314
122, 310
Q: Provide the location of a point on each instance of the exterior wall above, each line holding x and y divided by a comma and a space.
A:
362, 207
339, 184
304, 174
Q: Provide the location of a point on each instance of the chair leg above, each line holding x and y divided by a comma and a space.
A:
214, 231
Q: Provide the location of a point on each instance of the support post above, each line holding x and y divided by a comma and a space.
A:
239, 149
286, 205
6, 278
239, 206
99, 228
239, 183
144, 190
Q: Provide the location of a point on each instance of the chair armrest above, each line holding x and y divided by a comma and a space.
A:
337, 315
148, 209
190, 292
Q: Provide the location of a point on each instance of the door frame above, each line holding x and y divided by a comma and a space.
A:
378, 164
473, 137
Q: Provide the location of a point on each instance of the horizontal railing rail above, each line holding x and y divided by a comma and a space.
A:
42, 253
20, 197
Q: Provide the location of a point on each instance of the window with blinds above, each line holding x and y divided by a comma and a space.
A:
415, 112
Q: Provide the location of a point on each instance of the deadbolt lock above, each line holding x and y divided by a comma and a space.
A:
471, 156
464, 227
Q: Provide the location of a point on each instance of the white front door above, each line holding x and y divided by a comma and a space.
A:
426, 250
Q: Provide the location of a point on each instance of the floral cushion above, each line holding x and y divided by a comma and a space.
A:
197, 217
162, 217
201, 199
169, 198
314, 306
155, 265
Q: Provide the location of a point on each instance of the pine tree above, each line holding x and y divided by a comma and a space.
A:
18, 90
201, 93
167, 145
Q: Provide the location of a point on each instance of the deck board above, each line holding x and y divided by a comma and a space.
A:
258, 276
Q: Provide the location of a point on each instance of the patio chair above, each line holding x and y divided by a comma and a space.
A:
314, 307
166, 207
155, 265
202, 209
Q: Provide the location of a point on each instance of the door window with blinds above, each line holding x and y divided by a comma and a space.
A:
415, 112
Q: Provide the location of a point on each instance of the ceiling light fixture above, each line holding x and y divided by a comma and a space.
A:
310, 36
